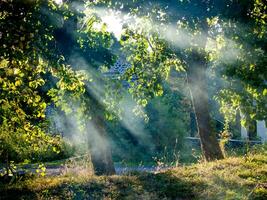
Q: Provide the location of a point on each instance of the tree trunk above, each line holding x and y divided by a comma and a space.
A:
101, 151
198, 88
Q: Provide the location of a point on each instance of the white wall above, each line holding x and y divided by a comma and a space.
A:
244, 133
262, 130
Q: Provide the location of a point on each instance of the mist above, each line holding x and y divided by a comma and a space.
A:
178, 37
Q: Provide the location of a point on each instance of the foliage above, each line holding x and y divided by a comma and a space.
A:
151, 59
162, 137
214, 30
29, 61
168, 124
245, 73
38, 67
236, 52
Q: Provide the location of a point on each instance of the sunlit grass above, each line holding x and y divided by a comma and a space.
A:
232, 178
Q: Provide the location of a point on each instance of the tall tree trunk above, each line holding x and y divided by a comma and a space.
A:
198, 88
101, 151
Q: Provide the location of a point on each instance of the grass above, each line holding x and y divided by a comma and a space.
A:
232, 178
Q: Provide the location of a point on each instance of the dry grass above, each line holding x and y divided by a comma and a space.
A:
232, 178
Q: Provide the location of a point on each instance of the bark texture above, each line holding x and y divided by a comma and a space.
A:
101, 152
198, 88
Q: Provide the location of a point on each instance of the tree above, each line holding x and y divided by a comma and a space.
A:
246, 74
92, 47
206, 30
152, 52
34, 73
26, 57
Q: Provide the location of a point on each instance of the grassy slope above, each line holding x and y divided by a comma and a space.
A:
232, 178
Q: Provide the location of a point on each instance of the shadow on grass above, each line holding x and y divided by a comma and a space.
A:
134, 186
14, 194
165, 185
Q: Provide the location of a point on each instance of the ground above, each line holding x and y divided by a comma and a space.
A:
232, 178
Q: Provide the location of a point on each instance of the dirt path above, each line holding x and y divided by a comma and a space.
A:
58, 170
